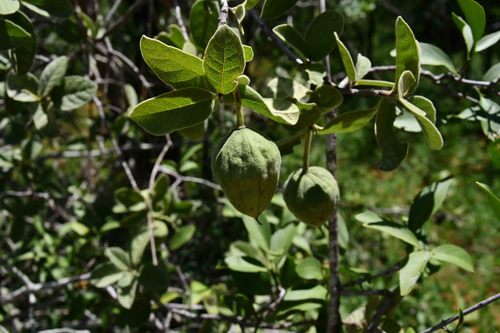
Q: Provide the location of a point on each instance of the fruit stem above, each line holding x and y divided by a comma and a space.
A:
239, 110
307, 150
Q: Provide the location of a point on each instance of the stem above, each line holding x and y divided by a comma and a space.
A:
307, 150
239, 110
224, 12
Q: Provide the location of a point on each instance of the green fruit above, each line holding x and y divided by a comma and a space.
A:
313, 196
247, 167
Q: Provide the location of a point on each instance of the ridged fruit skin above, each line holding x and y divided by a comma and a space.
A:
247, 167
312, 197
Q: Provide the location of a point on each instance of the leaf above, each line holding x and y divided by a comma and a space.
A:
282, 88
319, 37
474, 13
173, 66
239, 264
410, 273
292, 37
405, 84
434, 56
493, 199
248, 53
326, 97
182, 236
363, 66
272, 8
118, 257
454, 255
492, 74
105, 275
126, 296
22, 88
173, 110
74, 92
57, 8
393, 151
12, 34
40, 117
374, 83
203, 21
155, 278
488, 41
394, 230
140, 240
260, 234
427, 202
281, 111
310, 269
346, 58
224, 60
349, 121
8, 6
407, 53
425, 105
466, 31
173, 36
25, 53
318, 292
282, 239
52, 75
343, 232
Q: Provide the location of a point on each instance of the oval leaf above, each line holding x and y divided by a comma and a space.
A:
349, 121
454, 255
52, 75
292, 37
182, 236
173, 110
74, 92
475, 15
273, 8
319, 38
9, 6
12, 34
488, 41
310, 269
203, 21
434, 56
346, 60
410, 273
407, 53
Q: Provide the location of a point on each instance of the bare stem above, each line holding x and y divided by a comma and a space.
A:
307, 150
224, 12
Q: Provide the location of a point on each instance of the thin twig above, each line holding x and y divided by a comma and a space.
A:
467, 311
394, 268
387, 303
224, 12
136, 5
180, 21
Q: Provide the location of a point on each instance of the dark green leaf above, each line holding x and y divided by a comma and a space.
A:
224, 60
474, 13
203, 21
393, 151
57, 8
427, 202
12, 34
52, 75
410, 273
173, 36
126, 295
74, 92
105, 274
292, 37
155, 278
454, 255
327, 97
349, 121
173, 66
25, 53
118, 257
425, 105
407, 53
22, 88
173, 110
274, 8
182, 236
319, 38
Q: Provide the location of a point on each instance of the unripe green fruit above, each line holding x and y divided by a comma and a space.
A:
313, 196
247, 167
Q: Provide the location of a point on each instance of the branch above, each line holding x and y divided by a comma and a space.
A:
180, 21
224, 12
123, 18
394, 268
467, 311
275, 38
387, 303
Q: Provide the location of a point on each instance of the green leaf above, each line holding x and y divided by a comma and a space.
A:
425, 105
40, 117
173, 66
343, 232
368, 217
318, 292
374, 83
310, 269
431, 133
427, 202
203, 21
292, 37
105, 275
118, 257
173, 110
434, 56
407, 53
8, 6
52, 75
224, 60
474, 13
492, 74
405, 84
248, 53
319, 37
74, 92
466, 31
327, 97
350, 69
488, 41
272, 8
182, 236
173, 36
410, 273
22, 88
363, 66
12, 34
57, 8
155, 278
394, 230
141, 239
239, 264
260, 234
454, 255
126, 295
282, 88
25, 53
282, 239
393, 151
349, 121
493, 199
281, 111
